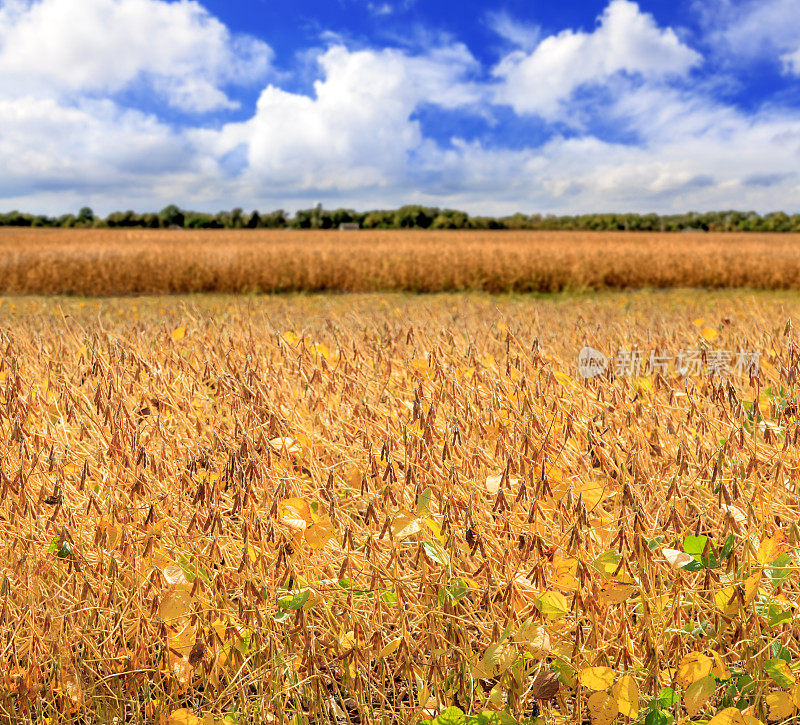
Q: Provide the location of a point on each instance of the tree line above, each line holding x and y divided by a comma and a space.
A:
411, 217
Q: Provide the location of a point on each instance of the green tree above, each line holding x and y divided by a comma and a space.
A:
171, 216
85, 216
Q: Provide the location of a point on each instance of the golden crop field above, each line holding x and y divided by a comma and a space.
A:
118, 262
390, 509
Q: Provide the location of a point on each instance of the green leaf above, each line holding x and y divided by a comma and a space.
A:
451, 716
778, 670
695, 545
566, 672
776, 615
454, 592
349, 585
61, 547
667, 697
487, 717
727, 547
780, 569
606, 564
657, 717
294, 601
778, 650
745, 684
424, 502
243, 645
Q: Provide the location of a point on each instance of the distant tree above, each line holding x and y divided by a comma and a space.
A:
254, 221
85, 216
171, 216
275, 219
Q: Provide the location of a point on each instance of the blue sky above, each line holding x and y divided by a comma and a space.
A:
567, 107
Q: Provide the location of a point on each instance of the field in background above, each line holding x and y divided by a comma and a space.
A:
109, 262
376, 508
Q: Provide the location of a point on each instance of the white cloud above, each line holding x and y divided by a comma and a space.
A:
357, 130
791, 62
744, 30
62, 48
380, 9
626, 41
522, 35
355, 140
45, 147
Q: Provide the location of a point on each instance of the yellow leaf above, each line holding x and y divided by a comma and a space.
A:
626, 693
295, 513
770, 549
183, 717
113, 531
348, 642
779, 706
727, 601
435, 528
699, 322
728, 716
322, 350
615, 593
693, 667
720, 670
183, 641
390, 648
538, 642
404, 525
592, 493
564, 574
709, 333
751, 587
597, 678
319, 534
174, 605
291, 338
603, 708
698, 693
795, 693
178, 333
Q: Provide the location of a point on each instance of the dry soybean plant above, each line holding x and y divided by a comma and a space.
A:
391, 510
109, 262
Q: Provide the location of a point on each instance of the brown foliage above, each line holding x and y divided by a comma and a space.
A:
366, 509
117, 262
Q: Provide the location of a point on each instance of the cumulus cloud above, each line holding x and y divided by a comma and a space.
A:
655, 142
625, 41
95, 148
62, 48
357, 129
